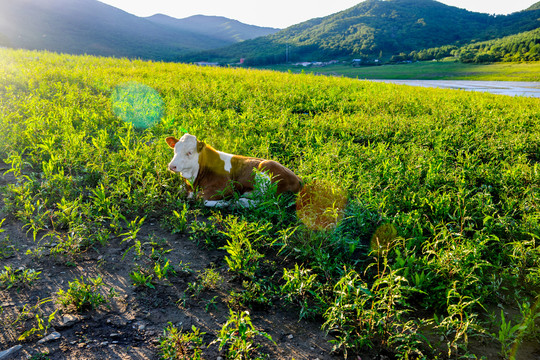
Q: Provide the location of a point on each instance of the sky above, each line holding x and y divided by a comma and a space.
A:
284, 13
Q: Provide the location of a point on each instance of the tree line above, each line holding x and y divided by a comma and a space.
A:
514, 48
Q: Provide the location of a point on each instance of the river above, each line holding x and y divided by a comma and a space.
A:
512, 88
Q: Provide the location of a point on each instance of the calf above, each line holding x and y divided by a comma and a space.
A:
217, 174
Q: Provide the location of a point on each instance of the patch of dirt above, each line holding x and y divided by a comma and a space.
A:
130, 326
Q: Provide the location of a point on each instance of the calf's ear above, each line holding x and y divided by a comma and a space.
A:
171, 141
200, 145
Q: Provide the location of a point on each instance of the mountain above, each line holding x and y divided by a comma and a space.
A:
216, 27
374, 29
92, 27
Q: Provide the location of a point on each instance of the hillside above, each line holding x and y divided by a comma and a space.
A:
520, 47
91, 27
216, 27
376, 28
535, 6
524, 46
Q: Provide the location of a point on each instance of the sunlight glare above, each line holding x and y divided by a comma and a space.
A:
137, 104
320, 205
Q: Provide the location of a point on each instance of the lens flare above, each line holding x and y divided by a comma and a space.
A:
382, 239
320, 205
137, 104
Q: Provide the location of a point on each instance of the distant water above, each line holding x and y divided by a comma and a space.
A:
512, 88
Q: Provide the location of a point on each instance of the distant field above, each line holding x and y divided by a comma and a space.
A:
428, 70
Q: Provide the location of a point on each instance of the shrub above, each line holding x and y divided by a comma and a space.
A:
82, 295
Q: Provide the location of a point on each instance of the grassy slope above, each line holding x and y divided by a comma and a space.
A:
456, 174
430, 70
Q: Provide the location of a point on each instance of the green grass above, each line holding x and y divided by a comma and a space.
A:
428, 70
446, 185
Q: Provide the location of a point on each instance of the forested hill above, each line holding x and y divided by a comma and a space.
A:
521, 47
376, 28
534, 6
524, 46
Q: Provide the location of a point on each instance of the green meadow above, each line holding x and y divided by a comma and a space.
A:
435, 253
429, 70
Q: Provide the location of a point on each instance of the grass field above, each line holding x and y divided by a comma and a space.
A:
421, 238
428, 70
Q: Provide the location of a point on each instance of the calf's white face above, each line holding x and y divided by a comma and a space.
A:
186, 156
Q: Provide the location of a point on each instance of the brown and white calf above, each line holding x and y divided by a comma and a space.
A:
217, 174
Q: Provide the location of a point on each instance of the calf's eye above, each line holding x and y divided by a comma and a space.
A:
189, 153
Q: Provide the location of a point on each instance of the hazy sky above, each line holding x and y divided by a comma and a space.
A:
284, 13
